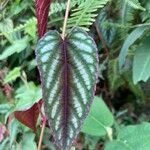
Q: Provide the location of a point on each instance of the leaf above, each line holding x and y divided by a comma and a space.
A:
27, 96
99, 120
132, 137
4, 108
42, 10
6, 26
108, 33
30, 28
114, 77
13, 129
141, 63
30, 116
135, 4
133, 36
84, 15
127, 14
28, 140
4, 144
68, 73
135, 89
12, 75
16, 47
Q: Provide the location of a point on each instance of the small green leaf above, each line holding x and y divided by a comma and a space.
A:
99, 119
4, 144
114, 77
141, 63
133, 137
133, 36
12, 75
28, 140
84, 15
31, 28
16, 47
108, 33
13, 130
4, 108
135, 4
27, 96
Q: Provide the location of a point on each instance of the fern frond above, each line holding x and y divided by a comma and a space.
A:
127, 14
21, 26
135, 4
59, 7
84, 15
56, 7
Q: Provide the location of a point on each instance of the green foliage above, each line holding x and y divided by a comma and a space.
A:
141, 63
85, 14
27, 95
114, 77
99, 119
13, 131
135, 4
28, 139
121, 31
108, 33
134, 35
133, 137
17, 46
12, 75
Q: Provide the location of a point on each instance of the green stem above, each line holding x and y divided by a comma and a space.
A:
65, 20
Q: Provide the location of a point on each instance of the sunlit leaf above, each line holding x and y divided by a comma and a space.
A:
16, 47
68, 71
12, 75
133, 137
99, 119
13, 129
26, 96
4, 108
28, 141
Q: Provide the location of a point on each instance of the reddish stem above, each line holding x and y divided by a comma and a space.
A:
42, 132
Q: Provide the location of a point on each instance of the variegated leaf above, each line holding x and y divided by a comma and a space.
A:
68, 71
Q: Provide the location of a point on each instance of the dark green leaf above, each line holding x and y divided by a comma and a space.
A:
134, 35
141, 63
99, 120
133, 137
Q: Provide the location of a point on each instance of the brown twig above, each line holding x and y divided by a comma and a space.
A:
65, 19
102, 39
42, 133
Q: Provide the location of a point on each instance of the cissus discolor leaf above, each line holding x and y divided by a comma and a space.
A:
68, 70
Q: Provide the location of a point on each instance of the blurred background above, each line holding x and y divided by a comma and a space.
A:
121, 106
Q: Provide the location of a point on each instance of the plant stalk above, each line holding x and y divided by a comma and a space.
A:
42, 133
65, 19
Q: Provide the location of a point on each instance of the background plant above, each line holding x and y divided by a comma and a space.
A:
121, 31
